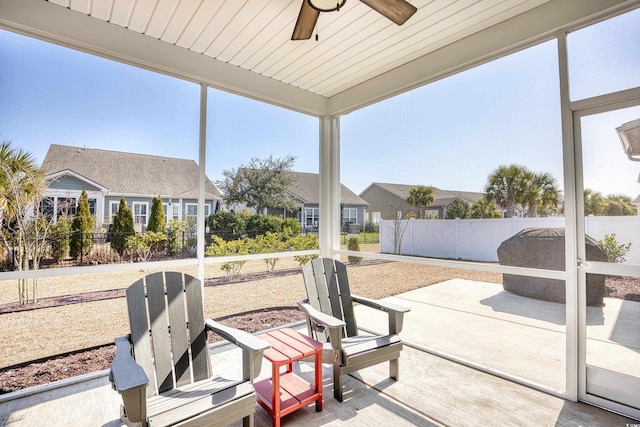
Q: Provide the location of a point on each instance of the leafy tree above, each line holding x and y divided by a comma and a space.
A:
457, 209
593, 203
228, 225
261, 184
619, 205
157, 218
82, 228
484, 209
122, 227
420, 197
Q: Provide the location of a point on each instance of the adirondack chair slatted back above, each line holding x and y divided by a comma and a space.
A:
327, 286
167, 330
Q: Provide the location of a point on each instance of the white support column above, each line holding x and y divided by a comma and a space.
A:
571, 228
329, 227
201, 181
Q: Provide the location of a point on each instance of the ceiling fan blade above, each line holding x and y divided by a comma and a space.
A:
396, 10
306, 22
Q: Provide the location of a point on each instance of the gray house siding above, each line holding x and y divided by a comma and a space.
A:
71, 183
384, 202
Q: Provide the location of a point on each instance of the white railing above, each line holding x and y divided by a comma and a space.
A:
478, 239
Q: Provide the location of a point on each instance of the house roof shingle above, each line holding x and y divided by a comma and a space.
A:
307, 188
440, 197
129, 173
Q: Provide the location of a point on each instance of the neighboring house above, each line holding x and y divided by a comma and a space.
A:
389, 201
306, 192
110, 175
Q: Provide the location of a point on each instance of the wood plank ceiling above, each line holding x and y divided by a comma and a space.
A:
355, 44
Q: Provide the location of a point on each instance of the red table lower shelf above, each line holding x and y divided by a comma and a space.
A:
285, 392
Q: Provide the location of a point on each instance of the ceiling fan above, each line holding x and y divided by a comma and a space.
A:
396, 10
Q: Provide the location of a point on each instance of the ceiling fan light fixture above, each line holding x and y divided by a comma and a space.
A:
326, 5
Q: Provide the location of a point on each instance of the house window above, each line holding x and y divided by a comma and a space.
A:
171, 211
113, 209
47, 207
140, 213
431, 213
92, 206
375, 217
66, 206
350, 215
312, 216
192, 211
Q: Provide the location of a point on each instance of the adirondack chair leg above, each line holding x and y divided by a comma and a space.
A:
248, 421
337, 383
394, 369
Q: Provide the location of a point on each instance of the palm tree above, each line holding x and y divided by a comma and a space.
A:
22, 187
593, 203
484, 209
420, 196
507, 187
543, 195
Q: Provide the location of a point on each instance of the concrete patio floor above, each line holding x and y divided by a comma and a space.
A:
471, 320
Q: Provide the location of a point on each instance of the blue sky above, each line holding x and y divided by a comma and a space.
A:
450, 134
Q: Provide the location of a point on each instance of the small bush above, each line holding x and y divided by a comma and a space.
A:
146, 244
354, 245
291, 227
370, 227
615, 251
219, 247
175, 235
260, 224
227, 225
157, 219
60, 238
301, 243
267, 243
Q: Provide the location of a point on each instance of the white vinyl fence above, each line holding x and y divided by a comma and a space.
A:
478, 239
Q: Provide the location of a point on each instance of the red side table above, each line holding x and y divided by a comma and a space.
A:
285, 392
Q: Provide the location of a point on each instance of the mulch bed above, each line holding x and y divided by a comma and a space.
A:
69, 365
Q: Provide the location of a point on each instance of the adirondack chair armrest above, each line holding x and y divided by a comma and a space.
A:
129, 379
396, 312
324, 323
252, 347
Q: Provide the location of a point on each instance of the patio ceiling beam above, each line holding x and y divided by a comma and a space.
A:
46, 21
535, 26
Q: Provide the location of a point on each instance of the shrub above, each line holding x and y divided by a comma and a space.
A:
175, 235
291, 227
122, 227
146, 244
59, 237
260, 224
301, 243
267, 243
615, 251
157, 219
354, 245
219, 247
228, 225
370, 227
81, 228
